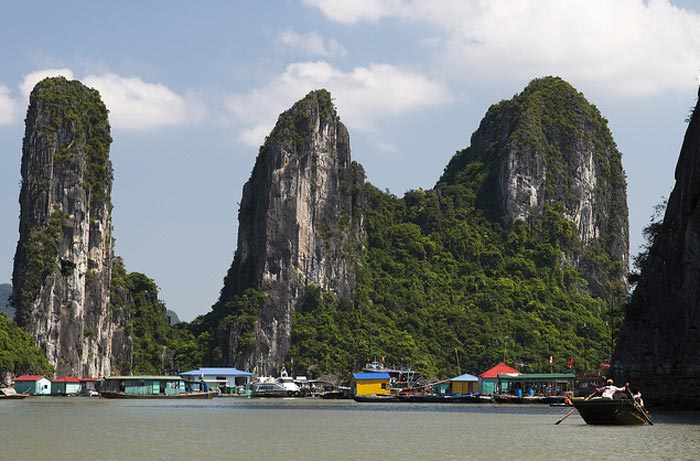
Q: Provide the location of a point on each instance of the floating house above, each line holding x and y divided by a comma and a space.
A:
66, 385
490, 381
226, 380
89, 385
142, 386
33, 384
541, 384
371, 384
464, 384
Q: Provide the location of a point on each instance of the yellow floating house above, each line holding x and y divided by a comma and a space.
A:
371, 384
464, 384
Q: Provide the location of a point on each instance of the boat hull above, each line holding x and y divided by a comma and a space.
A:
377, 398
189, 395
619, 412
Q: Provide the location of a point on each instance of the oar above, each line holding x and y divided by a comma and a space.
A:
574, 409
638, 406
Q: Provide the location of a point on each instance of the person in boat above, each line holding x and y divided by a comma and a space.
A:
610, 391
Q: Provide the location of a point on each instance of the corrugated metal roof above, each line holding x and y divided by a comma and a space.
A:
145, 378
216, 371
501, 368
29, 378
66, 379
465, 377
526, 376
363, 376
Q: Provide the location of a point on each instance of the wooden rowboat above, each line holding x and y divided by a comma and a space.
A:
610, 411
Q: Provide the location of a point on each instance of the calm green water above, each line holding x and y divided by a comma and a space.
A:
76, 428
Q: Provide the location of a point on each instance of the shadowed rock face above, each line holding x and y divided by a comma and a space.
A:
549, 148
659, 344
62, 269
299, 225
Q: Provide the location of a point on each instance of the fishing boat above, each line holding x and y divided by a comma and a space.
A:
600, 411
152, 387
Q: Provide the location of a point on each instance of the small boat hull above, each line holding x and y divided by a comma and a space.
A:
14, 397
376, 398
619, 412
430, 398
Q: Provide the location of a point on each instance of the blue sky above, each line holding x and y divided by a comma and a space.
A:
193, 88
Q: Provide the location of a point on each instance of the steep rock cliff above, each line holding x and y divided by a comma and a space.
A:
547, 148
299, 225
659, 344
63, 262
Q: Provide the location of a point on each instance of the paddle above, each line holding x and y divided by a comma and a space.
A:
574, 409
638, 406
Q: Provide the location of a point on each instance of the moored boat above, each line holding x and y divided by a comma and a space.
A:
9, 393
283, 386
600, 411
271, 389
376, 398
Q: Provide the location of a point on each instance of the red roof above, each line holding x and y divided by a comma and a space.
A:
29, 378
85, 380
497, 370
66, 379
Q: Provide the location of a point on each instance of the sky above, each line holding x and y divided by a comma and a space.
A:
193, 88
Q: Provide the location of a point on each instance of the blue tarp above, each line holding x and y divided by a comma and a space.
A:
465, 377
361, 376
216, 372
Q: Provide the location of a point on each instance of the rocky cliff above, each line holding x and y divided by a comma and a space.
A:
659, 344
299, 226
63, 262
548, 149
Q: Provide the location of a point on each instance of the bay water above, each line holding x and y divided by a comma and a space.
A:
82, 428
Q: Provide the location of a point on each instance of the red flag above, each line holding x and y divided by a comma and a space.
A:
550, 359
571, 363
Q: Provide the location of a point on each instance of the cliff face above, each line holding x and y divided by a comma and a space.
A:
62, 267
659, 345
549, 149
298, 226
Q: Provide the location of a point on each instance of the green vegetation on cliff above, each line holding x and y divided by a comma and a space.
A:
74, 108
18, 353
439, 277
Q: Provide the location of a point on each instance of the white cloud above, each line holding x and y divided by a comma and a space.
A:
138, 105
311, 44
363, 97
133, 104
353, 11
9, 108
30, 80
626, 47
